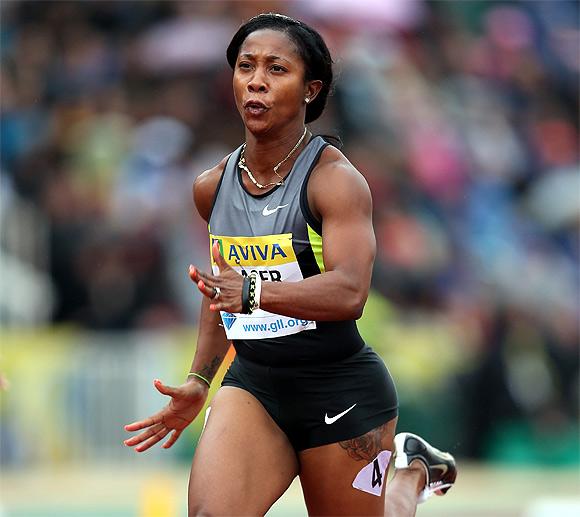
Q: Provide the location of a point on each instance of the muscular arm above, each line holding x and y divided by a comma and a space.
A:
340, 197
212, 344
339, 194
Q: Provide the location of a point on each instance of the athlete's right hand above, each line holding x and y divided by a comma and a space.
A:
185, 404
229, 282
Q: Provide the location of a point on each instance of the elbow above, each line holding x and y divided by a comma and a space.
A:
358, 312
356, 306
349, 299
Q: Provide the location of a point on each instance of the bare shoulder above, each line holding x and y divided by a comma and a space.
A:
204, 188
336, 182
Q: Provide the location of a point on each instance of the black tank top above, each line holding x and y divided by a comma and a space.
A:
276, 235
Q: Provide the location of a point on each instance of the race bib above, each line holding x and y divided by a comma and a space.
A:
272, 257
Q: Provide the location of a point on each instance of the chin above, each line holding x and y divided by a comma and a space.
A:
257, 127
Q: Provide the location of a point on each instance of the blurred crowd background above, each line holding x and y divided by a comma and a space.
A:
462, 116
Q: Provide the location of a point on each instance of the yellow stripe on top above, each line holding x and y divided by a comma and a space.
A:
316, 245
266, 250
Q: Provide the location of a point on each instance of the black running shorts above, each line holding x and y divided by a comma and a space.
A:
324, 403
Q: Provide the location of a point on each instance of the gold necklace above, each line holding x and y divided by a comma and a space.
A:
242, 165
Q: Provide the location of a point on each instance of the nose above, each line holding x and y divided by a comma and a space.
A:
257, 82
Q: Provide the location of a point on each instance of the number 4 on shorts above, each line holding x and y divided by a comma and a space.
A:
370, 478
377, 475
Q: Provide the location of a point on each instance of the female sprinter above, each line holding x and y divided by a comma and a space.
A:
292, 249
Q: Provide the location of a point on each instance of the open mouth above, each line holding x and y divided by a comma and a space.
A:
255, 107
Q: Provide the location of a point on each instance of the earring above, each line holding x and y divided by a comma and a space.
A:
307, 100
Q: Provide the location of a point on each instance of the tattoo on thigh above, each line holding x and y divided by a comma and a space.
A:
365, 447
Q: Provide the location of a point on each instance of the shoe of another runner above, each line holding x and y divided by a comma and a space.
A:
439, 466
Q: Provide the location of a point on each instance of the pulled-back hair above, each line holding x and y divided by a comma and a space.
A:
310, 45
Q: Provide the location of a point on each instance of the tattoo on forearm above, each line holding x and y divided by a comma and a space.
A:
209, 370
367, 446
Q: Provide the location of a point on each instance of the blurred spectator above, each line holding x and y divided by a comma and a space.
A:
463, 116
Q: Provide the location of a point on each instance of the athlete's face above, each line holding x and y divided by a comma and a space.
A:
269, 85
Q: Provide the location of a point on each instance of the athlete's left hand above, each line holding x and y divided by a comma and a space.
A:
229, 283
185, 404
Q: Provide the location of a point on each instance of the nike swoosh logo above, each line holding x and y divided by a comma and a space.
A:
266, 212
331, 420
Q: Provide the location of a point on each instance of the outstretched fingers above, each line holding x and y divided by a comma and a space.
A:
158, 436
172, 439
142, 424
141, 437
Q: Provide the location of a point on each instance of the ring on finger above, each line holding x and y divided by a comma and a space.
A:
216, 293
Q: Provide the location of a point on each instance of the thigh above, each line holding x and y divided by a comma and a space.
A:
243, 462
327, 474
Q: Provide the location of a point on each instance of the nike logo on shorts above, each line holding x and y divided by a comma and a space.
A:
331, 420
266, 212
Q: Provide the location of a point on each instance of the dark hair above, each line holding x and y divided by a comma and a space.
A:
310, 46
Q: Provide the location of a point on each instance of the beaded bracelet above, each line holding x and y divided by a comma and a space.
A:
251, 291
256, 292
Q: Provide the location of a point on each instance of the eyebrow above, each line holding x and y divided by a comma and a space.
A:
270, 57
